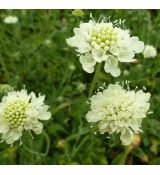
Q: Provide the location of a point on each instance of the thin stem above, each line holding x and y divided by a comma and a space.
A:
98, 68
60, 107
4, 68
38, 153
126, 152
48, 143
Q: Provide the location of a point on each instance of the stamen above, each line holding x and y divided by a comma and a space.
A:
105, 37
14, 113
30, 134
20, 140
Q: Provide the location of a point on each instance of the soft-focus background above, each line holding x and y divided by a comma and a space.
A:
34, 53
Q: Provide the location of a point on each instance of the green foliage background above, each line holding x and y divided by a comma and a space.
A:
34, 53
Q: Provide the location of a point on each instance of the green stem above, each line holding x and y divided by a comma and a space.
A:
60, 107
126, 152
4, 68
38, 153
98, 68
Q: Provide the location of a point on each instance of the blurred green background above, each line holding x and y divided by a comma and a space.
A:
34, 53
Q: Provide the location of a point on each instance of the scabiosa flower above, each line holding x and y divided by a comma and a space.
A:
10, 19
21, 111
149, 51
103, 41
119, 110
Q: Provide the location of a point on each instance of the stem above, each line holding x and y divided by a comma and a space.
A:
98, 67
5, 69
61, 106
126, 152
38, 153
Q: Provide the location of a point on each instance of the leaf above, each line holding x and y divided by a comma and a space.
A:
117, 159
156, 161
138, 152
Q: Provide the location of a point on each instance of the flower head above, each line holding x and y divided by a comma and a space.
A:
104, 42
4, 88
136, 140
149, 51
21, 111
72, 67
81, 87
10, 19
78, 12
118, 110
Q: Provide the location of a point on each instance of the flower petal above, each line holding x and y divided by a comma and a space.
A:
88, 69
94, 117
4, 128
79, 42
111, 66
12, 136
126, 136
126, 56
87, 62
136, 45
99, 55
44, 115
38, 127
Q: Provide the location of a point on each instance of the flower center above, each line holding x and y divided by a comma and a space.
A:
14, 113
104, 37
120, 112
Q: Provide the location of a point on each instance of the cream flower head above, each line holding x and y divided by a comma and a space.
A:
21, 111
118, 110
104, 42
10, 19
149, 51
